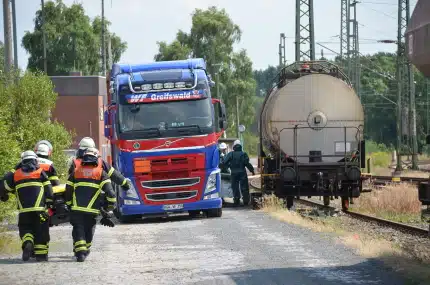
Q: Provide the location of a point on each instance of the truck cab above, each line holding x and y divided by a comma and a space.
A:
163, 126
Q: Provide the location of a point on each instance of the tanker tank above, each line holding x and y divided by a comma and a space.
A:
321, 105
418, 37
311, 135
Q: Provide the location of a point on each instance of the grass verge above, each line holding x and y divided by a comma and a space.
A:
9, 242
413, 262
396, 202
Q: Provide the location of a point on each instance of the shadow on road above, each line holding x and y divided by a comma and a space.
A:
54, 259
369, 272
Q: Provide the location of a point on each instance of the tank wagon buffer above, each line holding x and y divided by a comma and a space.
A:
311, 135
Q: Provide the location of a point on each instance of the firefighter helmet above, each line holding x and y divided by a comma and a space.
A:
27, 155
222, 146
87, 142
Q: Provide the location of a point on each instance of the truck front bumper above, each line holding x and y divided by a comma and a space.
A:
142, 209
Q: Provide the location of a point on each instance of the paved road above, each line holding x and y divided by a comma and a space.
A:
242, 247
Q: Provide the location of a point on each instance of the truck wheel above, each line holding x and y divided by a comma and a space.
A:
214, 213
193, 214
127, 219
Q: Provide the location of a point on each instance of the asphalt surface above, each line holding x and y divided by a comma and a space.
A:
242, 247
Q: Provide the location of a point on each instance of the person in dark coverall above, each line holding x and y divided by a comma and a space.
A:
88, 189
237, 160
33, 190
113, 174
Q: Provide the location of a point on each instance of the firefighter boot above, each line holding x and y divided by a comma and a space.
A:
27, 250
42, 257
80, 256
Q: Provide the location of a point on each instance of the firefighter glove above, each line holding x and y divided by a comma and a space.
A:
107, 222
253, 173
4, 197
44, 216
126, 186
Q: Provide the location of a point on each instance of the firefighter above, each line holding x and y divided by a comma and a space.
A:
237, 160
33, 190
113, 174
222, 154
43, 152
88, 190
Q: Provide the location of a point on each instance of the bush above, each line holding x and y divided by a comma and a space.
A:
25, 119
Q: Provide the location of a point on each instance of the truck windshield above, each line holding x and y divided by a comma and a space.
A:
163, 119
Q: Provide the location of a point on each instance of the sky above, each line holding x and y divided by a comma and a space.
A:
141, 23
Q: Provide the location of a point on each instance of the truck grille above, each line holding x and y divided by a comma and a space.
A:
172, 196
170, 183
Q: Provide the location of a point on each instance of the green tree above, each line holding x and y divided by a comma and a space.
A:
73, 41
212, 37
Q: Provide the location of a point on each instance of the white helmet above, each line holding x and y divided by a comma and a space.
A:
237, 142
91, 151
42, 149
222, 146
87, 142
29, 154
44, 142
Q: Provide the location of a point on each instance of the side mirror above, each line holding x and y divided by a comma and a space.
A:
220, 113
108, 125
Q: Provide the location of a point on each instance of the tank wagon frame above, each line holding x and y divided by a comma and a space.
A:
284, 176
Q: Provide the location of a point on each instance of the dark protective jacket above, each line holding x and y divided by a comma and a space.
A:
31, 187
222, 165
112, 173
89, 188
237, 160
47, 166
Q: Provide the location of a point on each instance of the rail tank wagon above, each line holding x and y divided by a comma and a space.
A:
311, 135
418, 37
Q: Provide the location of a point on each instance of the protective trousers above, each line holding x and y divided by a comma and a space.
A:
31, 230
240, 179
84, 225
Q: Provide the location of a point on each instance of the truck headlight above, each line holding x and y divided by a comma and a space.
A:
211, 183
131, 193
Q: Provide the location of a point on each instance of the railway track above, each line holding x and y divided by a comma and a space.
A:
382, 222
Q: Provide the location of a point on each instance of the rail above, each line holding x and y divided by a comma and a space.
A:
382, 222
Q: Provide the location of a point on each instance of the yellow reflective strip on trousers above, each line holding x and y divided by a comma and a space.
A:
87, 210
81, 248
104, 182
40, 246
80, 242
39, 198
111, 171
41, 251
27, 184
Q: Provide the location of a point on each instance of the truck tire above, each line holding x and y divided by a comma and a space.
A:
193, 214
127, 219
214, 213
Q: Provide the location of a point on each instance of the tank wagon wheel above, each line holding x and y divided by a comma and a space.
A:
345, 203
326, 200
290, 202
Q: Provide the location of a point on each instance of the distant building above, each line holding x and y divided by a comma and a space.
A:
80, 106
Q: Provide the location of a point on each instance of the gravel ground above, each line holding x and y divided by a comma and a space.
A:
242, 247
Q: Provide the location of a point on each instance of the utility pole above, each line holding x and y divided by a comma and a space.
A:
103, 40
7, 37
349, 42
237, 116
344, 21
45, 63
15, 41
405, 86
305, 40
282, 51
